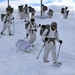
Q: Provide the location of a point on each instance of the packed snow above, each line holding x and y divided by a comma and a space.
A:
16, 62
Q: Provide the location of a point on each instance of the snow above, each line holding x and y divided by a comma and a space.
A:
16, 62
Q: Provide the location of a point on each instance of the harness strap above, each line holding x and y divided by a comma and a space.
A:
32, 29
51, 40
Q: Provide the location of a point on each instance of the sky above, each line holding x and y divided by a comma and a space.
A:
16, 3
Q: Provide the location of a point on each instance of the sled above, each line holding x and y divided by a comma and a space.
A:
24, 45
40, 17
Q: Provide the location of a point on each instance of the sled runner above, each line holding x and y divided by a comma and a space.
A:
24, 45
40, 17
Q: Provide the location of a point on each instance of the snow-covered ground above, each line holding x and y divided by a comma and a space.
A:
16, 62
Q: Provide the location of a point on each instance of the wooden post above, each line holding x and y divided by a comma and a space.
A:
41, 7
8, 2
